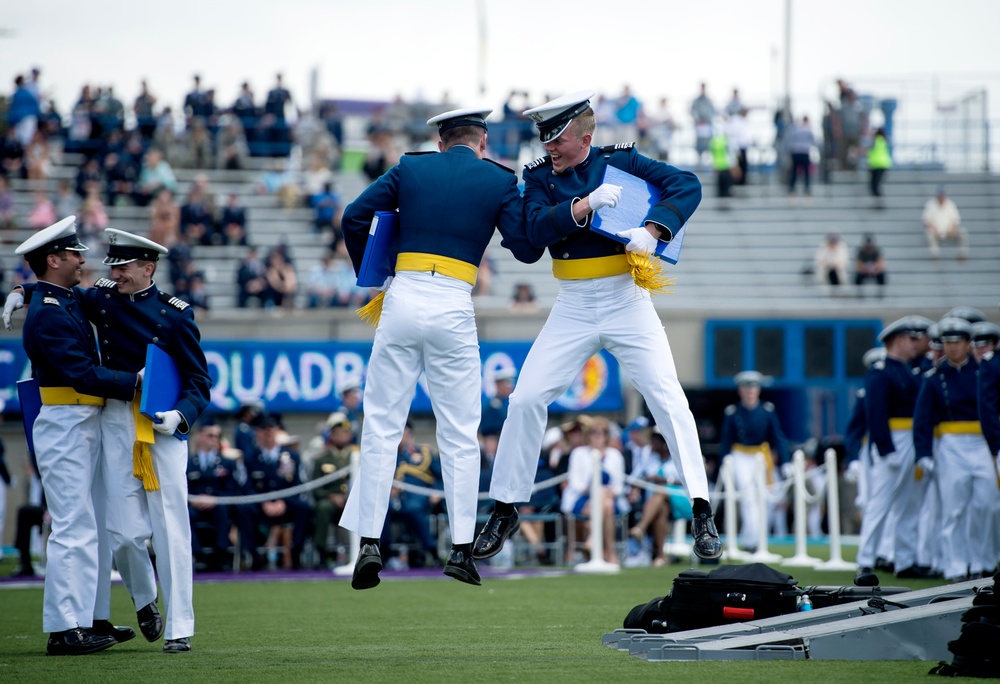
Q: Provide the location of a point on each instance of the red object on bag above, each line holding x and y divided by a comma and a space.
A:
731, 613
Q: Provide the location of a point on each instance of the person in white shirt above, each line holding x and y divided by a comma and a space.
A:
831, 260
943, 222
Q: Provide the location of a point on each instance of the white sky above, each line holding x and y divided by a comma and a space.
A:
377, 48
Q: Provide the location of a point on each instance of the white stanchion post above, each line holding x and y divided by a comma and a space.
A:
762, 555
801, 559
355, 543
596, 564
733, 552
678, 547
836, 561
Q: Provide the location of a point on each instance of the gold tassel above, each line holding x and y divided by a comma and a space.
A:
142, 457
647, 272
371, 312
142, 466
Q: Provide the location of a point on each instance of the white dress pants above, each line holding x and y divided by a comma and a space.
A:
428, 325
890, 510
67, 448
134, 515
967, 483
588, 315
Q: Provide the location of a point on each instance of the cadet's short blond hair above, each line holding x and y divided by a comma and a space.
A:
585, 124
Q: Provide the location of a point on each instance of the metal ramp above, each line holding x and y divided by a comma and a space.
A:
850, 631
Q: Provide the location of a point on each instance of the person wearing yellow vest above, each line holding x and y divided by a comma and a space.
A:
67, 441
722, 161
879, 161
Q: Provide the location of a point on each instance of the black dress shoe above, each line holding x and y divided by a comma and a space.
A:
150, 622
77, 641
105, 628
495, 532
182, 645
912, 572
463, 568
865, 577
367, 568
707, 544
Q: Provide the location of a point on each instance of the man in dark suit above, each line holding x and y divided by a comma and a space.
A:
449, 205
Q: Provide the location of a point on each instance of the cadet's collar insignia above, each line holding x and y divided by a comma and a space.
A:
51, 300
106, 283
532, 165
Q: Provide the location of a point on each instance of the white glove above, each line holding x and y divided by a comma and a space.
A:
639, 240
384, 287
853, 472
606, 195
925, 466
15, 300
169, 420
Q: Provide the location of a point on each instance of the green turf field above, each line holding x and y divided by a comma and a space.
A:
524, 630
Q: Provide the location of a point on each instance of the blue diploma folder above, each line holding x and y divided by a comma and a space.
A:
161, 385
379, 261
638, 197
31, 401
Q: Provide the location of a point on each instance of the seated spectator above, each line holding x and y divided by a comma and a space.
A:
66, 203
37, 161
280, 182
93, 218
316, 179
231, 144
210, 474
338, 447
250, 279
23, 273
272, 466
233, 223
942, 221
8, 220
523, 299
122, 174
43, 213
282, 283
89, 174
197, 220
155, 175
328, 214
322, 283
11, 155
831, 261
869, 264
576, 495
165, 219
660, 470
196, 147
348, 292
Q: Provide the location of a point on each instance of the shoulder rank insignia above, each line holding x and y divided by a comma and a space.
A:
768, 406
541, 161
175, 302
51, 300
106, 283
505, 168
930, 373
880, 364
731, 409
617, 148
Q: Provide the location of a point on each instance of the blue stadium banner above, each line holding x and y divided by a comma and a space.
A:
304, 377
